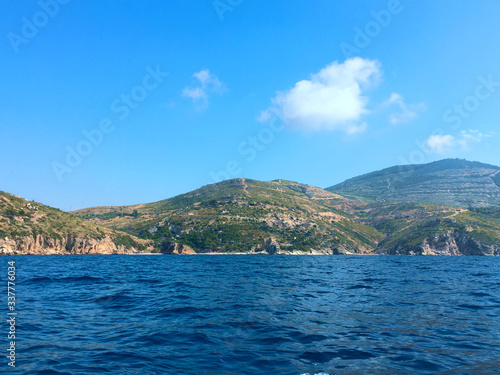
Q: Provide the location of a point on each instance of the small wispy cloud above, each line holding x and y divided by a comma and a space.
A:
332, 99
441, 144
208, 83
446, 143
407, 112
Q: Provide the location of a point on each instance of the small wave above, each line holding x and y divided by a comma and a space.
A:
480, 294
468, 346
81, 278
46, 372
275, 340
481, 274
424, 365
117, 301
147, 281
471, 307
360, 286
182, 310
35, 280
27, 327
44, 279
181, 296
178, 284
119, 357
323, 357
309, 339
154, 339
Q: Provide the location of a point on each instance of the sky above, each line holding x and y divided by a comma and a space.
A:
107, 103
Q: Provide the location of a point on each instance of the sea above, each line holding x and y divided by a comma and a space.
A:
252, 314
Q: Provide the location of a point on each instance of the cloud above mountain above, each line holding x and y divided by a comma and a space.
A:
207, 83
332, 99
446, 143
406, 113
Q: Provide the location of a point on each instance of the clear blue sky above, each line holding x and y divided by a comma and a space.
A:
259, 89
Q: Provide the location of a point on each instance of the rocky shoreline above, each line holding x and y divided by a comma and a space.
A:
445, 244
41, 245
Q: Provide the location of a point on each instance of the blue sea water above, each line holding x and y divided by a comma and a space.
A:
255, 315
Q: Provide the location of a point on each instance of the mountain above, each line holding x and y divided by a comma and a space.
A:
243, 215
417, 210
451, 182
33, 228
280, 216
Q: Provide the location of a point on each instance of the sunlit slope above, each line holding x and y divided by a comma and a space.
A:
33, 227
450, 182
239, 214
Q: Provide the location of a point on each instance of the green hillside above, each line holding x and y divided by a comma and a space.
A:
450, 182
33, 227
411, 227
239, 215
284, 217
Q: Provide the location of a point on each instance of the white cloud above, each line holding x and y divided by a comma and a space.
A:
442, 144
407, 113
208, 83
467, 137
331, 100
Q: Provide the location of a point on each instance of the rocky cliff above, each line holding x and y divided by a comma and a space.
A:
449, 243
177, 249
33, 228
271, 246
268, 246
42, 245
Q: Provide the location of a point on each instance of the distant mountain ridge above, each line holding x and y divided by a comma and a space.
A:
281, 217
450, 182
285, 217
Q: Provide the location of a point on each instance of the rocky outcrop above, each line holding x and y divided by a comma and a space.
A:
42, 245
269, 246
177, 249
449, 243
327, 251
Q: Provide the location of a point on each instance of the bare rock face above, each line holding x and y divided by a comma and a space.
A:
8, 247
272, 247
93, 246
42, 245
177, 249
449, 243
269, 246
